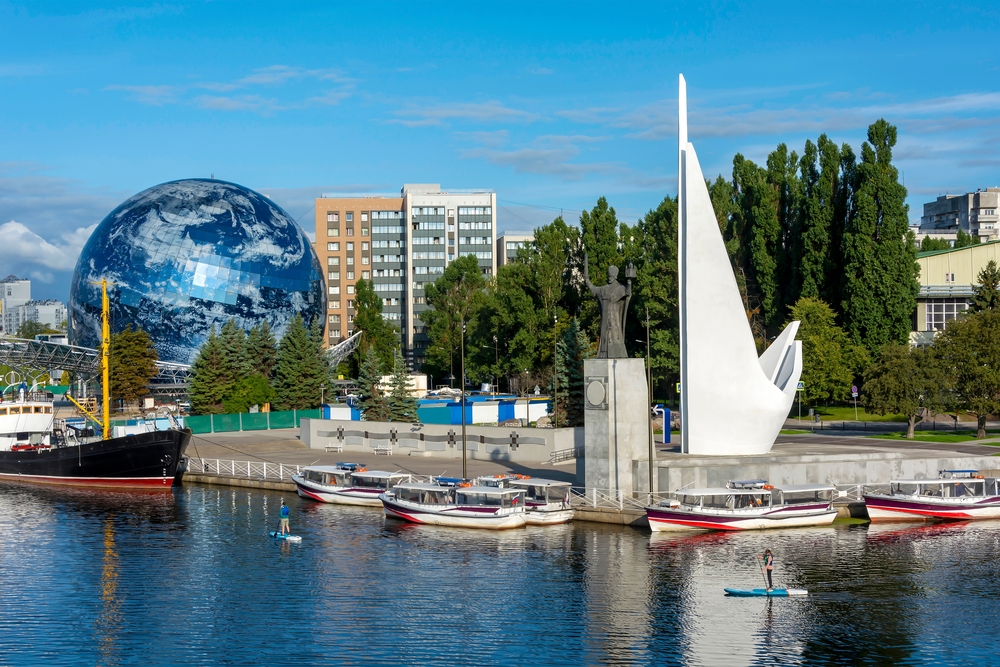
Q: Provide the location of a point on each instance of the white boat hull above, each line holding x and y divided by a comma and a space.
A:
451, 515
346, 495
667, 519
910, 508
542, 517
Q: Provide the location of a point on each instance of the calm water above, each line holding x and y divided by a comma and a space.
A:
189, 578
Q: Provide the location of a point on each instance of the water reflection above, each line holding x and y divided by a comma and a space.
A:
191, 578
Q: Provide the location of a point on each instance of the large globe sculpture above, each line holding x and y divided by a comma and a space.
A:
188, 255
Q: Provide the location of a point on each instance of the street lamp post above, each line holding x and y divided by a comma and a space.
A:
496, 361
555, 367
465, 474
649, 384
322, 395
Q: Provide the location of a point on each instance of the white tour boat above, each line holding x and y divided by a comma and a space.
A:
346, 484
546, 501
745, 505
957, 495
454, 502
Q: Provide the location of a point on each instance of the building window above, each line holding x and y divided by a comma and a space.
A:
364, 216
350, 289
350, 275
364, 260
350, 231
333, 261
333, 231
949, 277
349, 217
350, 304
335, 290
335, 305
364, 231
333, 216
350, 261
333, 246
942, 311
333, 275
350, 318
350, 246
366, 275
364, 245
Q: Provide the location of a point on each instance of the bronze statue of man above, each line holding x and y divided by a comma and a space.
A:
614, 298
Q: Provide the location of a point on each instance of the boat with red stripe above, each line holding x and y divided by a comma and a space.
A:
744, 505
346, 484
957, 495
454, 502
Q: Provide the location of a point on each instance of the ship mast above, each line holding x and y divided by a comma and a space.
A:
105, 353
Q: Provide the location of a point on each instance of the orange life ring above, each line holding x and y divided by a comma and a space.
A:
361, 470
499, 476
768, 487
464, 484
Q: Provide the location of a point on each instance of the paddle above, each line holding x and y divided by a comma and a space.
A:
760, 564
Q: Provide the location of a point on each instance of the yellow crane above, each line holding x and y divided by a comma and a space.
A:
104, 423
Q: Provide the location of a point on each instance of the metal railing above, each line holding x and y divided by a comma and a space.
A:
583, 497
560, 455
258, 470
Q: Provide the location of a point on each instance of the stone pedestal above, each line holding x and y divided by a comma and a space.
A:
616, 433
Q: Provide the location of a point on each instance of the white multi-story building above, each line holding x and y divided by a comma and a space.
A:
975, 213
400, 243
14, 292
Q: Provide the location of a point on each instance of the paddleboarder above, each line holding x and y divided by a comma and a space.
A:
768, 560
284, 518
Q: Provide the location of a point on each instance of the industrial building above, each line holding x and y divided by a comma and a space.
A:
973, 212
17, 307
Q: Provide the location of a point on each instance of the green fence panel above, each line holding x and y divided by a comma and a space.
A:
256, 421
226, 423
307, 414
283, 419
199, 424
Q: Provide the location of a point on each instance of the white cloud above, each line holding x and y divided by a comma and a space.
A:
23, 246
486, 112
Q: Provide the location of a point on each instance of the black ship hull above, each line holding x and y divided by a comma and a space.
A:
146, 461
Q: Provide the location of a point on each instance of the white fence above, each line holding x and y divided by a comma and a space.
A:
259, 470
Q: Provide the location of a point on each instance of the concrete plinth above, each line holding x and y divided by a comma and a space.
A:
616, 426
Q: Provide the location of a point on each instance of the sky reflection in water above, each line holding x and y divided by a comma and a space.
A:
189, 578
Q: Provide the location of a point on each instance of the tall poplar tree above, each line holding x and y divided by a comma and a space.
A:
880, 271
453, 298
757, 203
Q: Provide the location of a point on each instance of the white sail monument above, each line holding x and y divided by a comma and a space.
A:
732, 402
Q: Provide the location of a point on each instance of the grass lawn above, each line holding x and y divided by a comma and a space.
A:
935, 436
843, 413
793, 431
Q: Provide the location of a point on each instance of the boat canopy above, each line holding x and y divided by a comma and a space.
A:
338, 468
537, 481
721, 491
447, 481
349, 466
805, 488
380, 474
747, 482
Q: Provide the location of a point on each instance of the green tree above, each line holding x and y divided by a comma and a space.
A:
599, 238
573, 348
209, 377
928, 244
375, 331
29, 329
234, 347
817, 216
880, 271
970, 351
760, 230
402, 406
374, 406
453, 299
830, 360
262, 349
905, 381
131, 364
964, 239
301, 366
246, 392
986, 295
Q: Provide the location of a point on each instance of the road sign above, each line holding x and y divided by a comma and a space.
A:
854, 394
800, 386
678, 387
854, 389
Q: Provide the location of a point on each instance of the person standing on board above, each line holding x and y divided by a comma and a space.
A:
768, 560
284, 518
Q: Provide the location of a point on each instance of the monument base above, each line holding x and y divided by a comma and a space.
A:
616, 433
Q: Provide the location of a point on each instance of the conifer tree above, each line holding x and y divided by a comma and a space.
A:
234, 346
209, 382
374, 406
375, 330
132, 364
573, 348
880, 271
986, 295
300, 367
402, 406
262, 349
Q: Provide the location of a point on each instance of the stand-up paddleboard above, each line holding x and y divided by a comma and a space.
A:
764, 593
288, 538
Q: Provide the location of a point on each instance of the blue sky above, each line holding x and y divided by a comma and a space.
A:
550, 104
